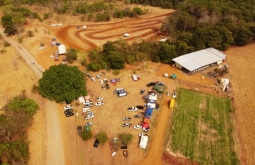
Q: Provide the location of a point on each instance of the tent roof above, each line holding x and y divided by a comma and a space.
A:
81, 99
87, 127
87, 97
143, 141
145, 125
198, 59
61, 49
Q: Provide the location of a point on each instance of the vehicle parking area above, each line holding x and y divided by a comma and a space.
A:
109, 116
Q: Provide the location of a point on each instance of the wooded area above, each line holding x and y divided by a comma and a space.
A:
196, 25
15, 118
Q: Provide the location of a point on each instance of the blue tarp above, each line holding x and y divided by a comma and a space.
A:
149, 111
147, 116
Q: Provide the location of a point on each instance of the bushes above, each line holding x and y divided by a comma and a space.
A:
6, 44
86, 135
71, 55
102, 137
126, 138
30, 33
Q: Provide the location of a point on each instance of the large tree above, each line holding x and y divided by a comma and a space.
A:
62, 83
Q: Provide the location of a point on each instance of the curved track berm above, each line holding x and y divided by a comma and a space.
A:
96, 34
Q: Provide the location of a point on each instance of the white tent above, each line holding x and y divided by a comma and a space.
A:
61, 49
151, 97
81, 99
143, 141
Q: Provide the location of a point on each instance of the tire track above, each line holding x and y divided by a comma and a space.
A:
89, 38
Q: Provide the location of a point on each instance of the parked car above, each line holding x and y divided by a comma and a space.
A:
90, 115
142, 91
151, 84
103, 87
116, 90
160, 83
79, 129
69, 113
96, 143
99, 98
68, 107
99, 103
114, 153
89, 123
146, 130
168, 93
138, 116
126, 35
126, 125
101, 81
93, 79
137, 127
140, 107
174, 94
85, 109
132, 109
107, 86
126, 118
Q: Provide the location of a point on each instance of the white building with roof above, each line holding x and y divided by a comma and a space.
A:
199, 59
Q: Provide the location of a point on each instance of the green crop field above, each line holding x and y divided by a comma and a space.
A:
202, 130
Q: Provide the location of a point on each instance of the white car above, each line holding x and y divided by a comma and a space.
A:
84, 27
101, 81
99, 103
114, 153
174, 95
89, 123
93, 79
85, 109
163, 40
137, 127
68, 107
126, 35
89, 117
99, 98
132, 109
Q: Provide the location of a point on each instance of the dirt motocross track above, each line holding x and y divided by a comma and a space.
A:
96, 34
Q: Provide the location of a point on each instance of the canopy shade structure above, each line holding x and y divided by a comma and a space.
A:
198, 59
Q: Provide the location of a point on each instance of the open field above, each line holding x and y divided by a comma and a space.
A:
241, 67
202, 129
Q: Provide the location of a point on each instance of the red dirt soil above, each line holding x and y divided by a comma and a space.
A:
96, 34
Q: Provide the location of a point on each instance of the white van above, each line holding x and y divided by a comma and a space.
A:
150, 105
134, 77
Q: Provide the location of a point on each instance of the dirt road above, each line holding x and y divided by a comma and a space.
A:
154, 157
55, 152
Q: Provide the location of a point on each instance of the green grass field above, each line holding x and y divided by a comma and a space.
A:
202, 129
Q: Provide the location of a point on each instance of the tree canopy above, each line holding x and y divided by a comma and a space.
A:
102, 137
62, 83
16, 118
86, 135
